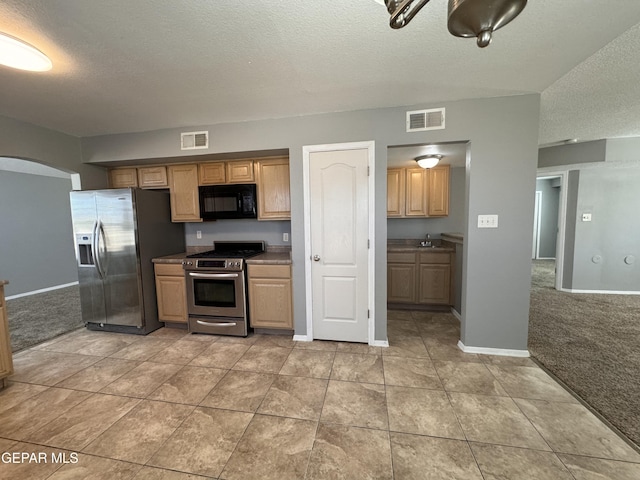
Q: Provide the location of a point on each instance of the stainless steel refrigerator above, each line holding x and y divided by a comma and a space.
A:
117, 232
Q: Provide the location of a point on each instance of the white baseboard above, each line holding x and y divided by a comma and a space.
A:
380, 343
302, 338
493, 351
42, 290
600, 292
456, 314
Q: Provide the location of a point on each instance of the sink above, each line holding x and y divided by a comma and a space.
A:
427, 245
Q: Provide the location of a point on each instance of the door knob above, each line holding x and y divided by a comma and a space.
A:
316, 258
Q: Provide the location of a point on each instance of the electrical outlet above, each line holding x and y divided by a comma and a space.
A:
487, 221
586, 217
285, 237
198, 234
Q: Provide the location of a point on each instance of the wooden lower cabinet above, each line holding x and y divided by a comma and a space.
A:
419, 278
171, 292
270, 296
401, 278
6, 358
434, 284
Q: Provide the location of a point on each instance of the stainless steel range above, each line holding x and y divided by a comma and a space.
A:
217, 288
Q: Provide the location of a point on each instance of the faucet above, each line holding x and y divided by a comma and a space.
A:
427, 241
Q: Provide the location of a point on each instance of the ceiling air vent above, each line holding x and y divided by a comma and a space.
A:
194, 140
422, 120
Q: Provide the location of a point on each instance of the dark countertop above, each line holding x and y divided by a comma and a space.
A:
453, 237
412, 245
270, 258
175, 258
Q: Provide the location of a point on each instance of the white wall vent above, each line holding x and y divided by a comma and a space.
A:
422, 120
194, 140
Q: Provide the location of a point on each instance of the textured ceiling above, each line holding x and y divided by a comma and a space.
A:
126, 66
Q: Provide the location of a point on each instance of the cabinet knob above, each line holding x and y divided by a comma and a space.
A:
316, 258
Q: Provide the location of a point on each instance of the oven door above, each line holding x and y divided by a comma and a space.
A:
215, 294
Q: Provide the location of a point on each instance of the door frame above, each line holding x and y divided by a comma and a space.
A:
537, 216
306, 157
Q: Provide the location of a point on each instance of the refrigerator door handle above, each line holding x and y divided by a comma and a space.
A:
99, 232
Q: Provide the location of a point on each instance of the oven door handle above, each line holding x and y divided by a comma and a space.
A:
216, 324
213, 275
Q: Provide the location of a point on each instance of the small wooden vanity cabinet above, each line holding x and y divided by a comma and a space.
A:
171, 292
422, 277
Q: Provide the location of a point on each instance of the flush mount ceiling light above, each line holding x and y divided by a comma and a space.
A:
15, 53
428, 161
466, 18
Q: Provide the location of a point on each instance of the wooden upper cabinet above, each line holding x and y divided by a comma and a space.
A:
123, 177
439, 191
395, 192
416, 193
212, 173
152, 177
274, 198
240, 171
183, 187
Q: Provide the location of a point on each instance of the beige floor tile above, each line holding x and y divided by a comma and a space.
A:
406, 347
249, 340
410, 372
355, 404
220, 355
357, 367
530, 382
272, 448
204, 442
441, 318
263, 359
6, 444
498, 420
350, 453
25, 418
439, 330
142, 380
295, 397
403, 315
173, 333
498, 462
571, 428
82, 424
284, 341
16, 393
423, 412
587, 468
143, 349
201, 337
94, 344
402, 329
48, 368
308, 363
180, 352
243, 391
141, 432
417, 458
99, 375
448, 350
508, 361
189, 385
468, 377
323, 345
348, 347
151, 473
34, 470
96, 468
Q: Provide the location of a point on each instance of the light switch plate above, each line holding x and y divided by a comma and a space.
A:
198, 234
487, 221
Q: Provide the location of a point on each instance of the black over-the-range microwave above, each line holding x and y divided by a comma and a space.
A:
227, 201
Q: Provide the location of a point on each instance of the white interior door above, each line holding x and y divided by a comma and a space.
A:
339, 230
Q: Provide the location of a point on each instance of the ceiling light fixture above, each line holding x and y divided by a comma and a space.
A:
15, 53
466, 18
428, 161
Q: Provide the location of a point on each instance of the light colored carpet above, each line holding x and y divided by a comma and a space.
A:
43, 316
590, 342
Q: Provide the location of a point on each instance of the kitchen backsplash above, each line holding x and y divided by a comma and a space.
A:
271, 232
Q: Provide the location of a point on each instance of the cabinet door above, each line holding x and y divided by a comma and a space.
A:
172, 301
401, 283
434, 286
395, 192
123, 177
240, 171
212, 173
6, 359
270, 303
416, 193
152, 177
274, 202
183, 187
439, 191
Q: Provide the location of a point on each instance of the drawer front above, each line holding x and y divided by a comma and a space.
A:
269, 271
173, 269
401, 257
432, 257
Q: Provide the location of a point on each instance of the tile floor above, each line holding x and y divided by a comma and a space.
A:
177, 406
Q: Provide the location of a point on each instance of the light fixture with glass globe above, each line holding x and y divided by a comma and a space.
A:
16, 53
428, 161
